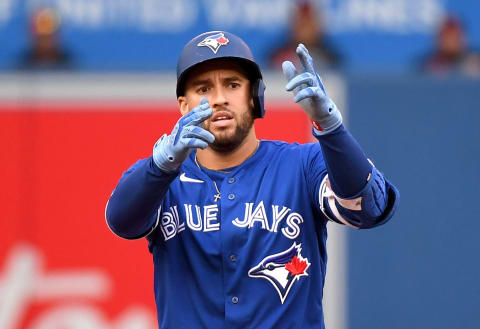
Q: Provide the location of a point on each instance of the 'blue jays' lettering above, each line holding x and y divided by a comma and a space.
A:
204, 218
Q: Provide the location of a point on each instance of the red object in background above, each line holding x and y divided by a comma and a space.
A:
60, 266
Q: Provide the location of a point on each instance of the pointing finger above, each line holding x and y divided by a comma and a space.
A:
305, 58
203, 105
201, 116
203, 111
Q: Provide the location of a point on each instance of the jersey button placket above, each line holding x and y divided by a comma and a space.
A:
230, 237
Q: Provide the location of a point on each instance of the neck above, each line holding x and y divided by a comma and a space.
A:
214, 160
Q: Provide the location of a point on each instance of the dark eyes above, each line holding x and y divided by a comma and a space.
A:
202, 90
270, 267
205, 89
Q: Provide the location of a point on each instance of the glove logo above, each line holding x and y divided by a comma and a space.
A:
214, 42
282, 270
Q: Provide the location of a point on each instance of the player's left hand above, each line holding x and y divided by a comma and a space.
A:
310, 93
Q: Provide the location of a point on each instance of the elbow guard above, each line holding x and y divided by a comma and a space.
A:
366, 209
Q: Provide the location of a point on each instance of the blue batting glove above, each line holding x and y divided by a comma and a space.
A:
311, 95
171, 150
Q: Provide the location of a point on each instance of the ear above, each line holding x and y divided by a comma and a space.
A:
182, 103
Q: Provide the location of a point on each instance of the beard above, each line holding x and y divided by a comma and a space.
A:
225, 141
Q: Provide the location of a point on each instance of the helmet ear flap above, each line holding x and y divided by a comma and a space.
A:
258, 93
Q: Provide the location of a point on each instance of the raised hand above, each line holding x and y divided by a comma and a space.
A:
310, 93
171, 150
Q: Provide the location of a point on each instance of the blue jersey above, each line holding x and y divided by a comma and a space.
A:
244, 247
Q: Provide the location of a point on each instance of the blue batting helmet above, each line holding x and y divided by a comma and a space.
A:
220, 44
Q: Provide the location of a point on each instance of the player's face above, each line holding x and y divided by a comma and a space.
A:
226, 86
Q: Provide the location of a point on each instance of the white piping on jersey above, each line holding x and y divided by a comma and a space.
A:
327, 192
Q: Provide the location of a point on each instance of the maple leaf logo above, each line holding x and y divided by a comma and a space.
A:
296, 266
282, 269
222, 40
214, 42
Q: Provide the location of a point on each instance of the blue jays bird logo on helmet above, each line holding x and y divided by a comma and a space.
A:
282, 269
214, 42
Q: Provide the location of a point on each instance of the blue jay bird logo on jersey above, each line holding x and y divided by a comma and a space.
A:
214, 42
282, 269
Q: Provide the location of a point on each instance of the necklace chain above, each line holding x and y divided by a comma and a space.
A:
218, 196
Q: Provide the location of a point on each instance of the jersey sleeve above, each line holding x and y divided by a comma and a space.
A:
133, 210
315, 171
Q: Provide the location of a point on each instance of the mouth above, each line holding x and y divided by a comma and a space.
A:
221, 119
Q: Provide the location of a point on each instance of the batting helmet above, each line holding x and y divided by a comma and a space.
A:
220, 44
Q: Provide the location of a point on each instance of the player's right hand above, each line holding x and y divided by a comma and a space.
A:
171, 150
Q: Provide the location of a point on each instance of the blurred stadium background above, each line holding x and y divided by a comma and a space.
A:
87, 86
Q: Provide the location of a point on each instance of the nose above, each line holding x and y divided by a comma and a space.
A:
219, 98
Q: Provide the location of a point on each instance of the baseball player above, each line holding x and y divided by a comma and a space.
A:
237, 226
